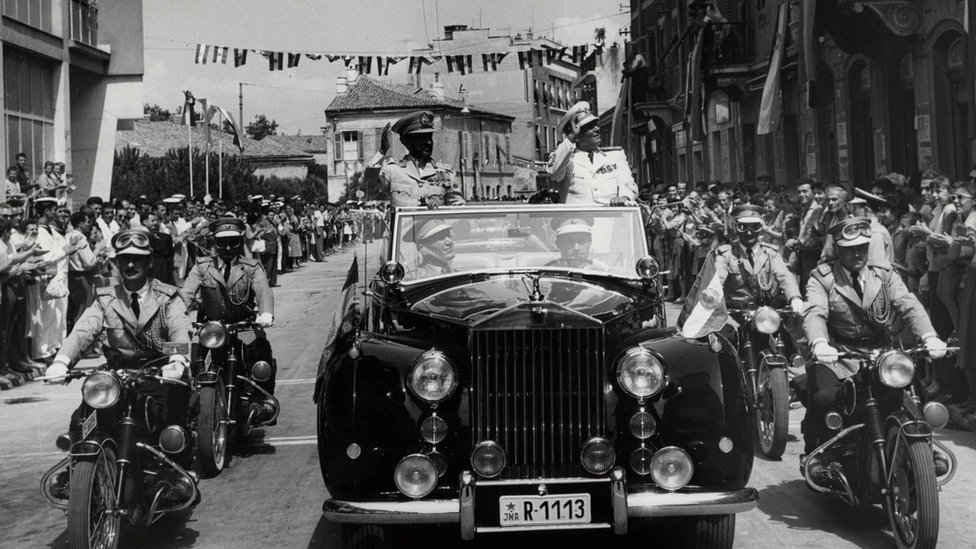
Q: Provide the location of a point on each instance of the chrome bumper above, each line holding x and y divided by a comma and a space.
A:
644, 504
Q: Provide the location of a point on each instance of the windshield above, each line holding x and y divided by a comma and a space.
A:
431, 243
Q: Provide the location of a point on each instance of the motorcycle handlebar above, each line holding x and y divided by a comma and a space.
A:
917, 350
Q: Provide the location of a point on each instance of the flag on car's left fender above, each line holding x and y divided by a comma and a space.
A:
700, 317
344, 318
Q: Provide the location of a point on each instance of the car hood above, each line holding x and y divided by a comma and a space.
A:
476, 301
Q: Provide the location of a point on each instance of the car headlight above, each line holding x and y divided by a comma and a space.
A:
766, 320
639, 373
213, 335
101, 390
896, 369
432, 377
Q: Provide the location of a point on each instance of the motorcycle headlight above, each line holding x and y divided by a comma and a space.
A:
213, 335
648, 268
766, 320
639, 373
392, 272
432, 377
896, 369
101, 390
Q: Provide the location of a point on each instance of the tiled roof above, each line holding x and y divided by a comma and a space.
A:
369, 95
304, 143
157, 138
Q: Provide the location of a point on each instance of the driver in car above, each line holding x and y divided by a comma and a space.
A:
436, 247
574, 235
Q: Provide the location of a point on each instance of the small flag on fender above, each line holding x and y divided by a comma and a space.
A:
698, 317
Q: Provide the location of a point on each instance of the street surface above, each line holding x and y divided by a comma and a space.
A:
271, 493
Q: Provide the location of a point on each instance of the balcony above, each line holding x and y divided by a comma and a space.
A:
728, 45
84, 22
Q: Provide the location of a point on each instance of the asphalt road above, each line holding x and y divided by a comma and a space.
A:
271, 493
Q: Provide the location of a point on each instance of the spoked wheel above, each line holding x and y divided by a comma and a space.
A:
773, 411
212, 429
91, 499
912, 501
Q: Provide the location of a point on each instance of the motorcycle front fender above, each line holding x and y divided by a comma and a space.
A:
89, 449
910, 427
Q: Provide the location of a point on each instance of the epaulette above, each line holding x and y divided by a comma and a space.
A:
249, 261
611, 149
168, 289
108, 291
769, 245
825, 269
205, 259
883, 265
724, 248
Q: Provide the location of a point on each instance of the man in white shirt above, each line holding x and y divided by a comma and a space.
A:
108, 226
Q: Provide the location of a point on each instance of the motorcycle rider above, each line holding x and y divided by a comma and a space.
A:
853, 303
138, 315
745, 270
230, 288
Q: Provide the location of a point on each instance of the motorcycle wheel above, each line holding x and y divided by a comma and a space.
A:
212, 430
92, 493
912, 501
773, 411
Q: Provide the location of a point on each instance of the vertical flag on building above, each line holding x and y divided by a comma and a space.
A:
189, 118
699, 316
769, 106
240, 57
970, 21
234, 130
579, 53
809, 47
693, 89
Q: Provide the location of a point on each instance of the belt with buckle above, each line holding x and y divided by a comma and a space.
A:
863, 342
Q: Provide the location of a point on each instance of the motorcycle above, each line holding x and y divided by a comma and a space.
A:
113, 470
884, 450
762, 345
227, 384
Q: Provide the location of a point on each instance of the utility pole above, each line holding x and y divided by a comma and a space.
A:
240, 105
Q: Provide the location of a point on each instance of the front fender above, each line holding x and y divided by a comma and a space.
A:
90, 448
909, 426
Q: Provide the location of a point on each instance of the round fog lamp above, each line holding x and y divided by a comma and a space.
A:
172, 439
440, 462
935, 414
415, 476
101, 390
488, 459
640, 461
597, 455
671, 468
261, 371
433, 430
643, 425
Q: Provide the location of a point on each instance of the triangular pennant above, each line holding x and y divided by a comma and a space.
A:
313, 57
347, 60
333, 58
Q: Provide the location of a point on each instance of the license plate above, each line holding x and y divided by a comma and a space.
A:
910, 405
89, 425
529, 510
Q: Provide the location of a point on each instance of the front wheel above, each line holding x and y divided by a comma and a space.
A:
912, 501
91, 523
212, 429
773, 411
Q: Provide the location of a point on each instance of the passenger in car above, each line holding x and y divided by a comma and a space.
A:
416, 180
584, 173
574, 235
436, 247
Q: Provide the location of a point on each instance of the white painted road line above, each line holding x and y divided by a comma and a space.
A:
305, 381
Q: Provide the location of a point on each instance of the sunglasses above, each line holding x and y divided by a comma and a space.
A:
748, 227
125, 239
228, 243
854, 231
958, 197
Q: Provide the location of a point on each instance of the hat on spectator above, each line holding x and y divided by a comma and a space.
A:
415, 122
572, 224
853, 231
871, 199
227, 227
256, 197
580, 112
171, 200
44, 202
426, 229
747, 213
180, 197
134, 241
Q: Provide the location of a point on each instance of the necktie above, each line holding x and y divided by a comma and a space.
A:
857, 284
227, 272
135, 304
752, 261
590, 154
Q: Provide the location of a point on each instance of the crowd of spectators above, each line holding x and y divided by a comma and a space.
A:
922, 226
53, 255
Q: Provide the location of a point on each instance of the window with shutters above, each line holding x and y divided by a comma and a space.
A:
508, 149
486, 150
348, 148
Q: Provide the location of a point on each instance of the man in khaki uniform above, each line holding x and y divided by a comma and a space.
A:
853, 302
138, 316
417, 180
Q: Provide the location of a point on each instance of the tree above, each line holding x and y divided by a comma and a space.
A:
156, 113
261, 127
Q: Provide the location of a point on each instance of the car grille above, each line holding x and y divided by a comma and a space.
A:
539, 394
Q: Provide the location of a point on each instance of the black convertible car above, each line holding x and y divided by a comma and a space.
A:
512, 370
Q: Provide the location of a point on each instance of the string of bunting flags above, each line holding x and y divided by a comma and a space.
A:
367, 64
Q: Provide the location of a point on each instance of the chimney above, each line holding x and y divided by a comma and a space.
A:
437, 88
341, 86
352, 74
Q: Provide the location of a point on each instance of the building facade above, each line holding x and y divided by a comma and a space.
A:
477, 143
72, 77
865, 88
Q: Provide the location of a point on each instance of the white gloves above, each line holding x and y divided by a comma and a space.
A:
56, 371
936, 347
264, 320
175, 367
825, 353
797, 305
